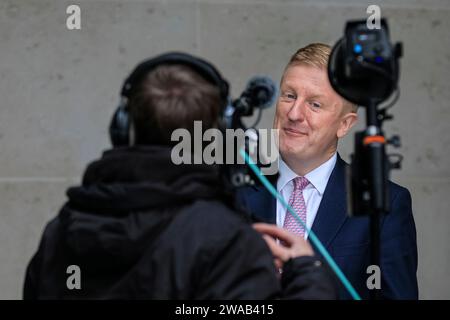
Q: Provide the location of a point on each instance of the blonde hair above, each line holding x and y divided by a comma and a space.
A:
316, 55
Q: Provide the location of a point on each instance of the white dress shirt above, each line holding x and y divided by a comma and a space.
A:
312, 194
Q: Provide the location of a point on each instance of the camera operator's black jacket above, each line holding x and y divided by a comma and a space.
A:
141, 227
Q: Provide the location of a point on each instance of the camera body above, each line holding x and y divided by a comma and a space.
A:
363, 66
366, 45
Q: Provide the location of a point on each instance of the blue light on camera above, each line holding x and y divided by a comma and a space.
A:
357, 48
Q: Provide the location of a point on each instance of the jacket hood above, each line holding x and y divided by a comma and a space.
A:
127, 198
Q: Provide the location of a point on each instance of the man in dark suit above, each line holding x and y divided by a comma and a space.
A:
311, 118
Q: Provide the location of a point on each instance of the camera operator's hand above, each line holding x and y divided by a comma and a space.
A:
290, 245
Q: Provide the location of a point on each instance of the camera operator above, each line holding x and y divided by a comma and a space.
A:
141, 227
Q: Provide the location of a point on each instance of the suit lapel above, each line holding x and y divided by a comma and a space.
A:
264, 205
331, 214
261, 204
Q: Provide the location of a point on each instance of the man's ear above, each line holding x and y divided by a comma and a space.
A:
347, 122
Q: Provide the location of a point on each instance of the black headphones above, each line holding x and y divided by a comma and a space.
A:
120, 127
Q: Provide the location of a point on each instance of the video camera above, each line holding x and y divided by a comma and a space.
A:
364, 69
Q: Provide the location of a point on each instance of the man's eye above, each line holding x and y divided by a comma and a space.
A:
315, 104
289, 96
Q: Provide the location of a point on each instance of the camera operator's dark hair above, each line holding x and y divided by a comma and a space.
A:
171, 97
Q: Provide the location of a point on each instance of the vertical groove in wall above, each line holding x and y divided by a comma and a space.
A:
197, 28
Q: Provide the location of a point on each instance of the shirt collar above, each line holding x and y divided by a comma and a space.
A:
318, 177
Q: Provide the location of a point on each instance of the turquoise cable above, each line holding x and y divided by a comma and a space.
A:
311, 235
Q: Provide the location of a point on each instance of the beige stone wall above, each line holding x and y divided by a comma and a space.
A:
58, 89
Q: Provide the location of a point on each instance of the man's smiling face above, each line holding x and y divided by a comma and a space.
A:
310, 116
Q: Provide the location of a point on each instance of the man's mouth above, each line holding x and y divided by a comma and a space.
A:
294, 132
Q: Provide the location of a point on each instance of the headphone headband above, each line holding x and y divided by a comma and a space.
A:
120, 126
204, 68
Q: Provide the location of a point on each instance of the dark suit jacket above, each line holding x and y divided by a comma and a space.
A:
348, 238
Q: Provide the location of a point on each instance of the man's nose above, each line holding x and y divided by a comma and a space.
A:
297, 111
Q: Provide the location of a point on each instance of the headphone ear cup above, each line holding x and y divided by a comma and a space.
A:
119, 129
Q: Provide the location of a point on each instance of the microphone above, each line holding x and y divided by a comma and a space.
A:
260, 93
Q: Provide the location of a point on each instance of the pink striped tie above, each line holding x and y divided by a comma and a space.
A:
297, 202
